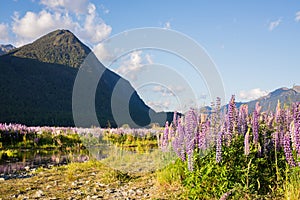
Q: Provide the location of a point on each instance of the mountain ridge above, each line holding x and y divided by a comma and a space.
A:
56, 47
5, 48
269, 101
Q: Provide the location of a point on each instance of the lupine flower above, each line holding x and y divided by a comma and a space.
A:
242, 119
190, 131
175, 120
270, 120
178, 142
280, 122
203, 133
246, 143
275, 140
165, 137
232, 119
219, 147
296, 134
218, 113
287, 149
255, 124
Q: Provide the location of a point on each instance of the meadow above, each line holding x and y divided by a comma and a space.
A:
229, 153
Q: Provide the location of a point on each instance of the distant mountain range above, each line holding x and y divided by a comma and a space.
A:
36, 84
6, 48
286, 96
269, 102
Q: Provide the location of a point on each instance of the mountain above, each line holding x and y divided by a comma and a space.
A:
37, 80
284, 95
5, 48
58, 47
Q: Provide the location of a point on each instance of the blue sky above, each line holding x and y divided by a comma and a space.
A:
254, 44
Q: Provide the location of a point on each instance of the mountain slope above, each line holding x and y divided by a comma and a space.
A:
269, 102
59, 47
36, 85
5, 48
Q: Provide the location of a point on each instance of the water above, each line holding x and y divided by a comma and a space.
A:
17, 163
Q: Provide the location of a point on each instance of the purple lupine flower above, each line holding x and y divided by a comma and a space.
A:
242, 119
224, 129
203, 134
246, 143
232, 119
219, 147
287, 150
191, 120
296, 134
270, 120
178, 142
275, 139
280, 121
255, 124
175, 120
218, 113
165, 137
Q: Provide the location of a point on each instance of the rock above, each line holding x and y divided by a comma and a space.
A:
27, 168
101, 184
139, 192
2, 179
131, 192
96, 197
74, 184
48, 187
39, 194
112, 190
124, 193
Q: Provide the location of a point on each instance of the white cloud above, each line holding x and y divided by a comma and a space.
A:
95, 28
297, 18
3, 32
104, 9
103, 54
274, 24
168, 90
167, 25
33, 25
77, 7
252, 94
132, 64
159, 105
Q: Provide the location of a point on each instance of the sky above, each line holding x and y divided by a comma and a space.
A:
254, 45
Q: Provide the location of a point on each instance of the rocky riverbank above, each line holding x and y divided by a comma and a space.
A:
89, 180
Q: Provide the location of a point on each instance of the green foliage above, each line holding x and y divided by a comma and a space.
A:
174, 173
292, 185
132, 142
244, 177
59, 46
43, 140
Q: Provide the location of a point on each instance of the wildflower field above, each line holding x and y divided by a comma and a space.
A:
229, 153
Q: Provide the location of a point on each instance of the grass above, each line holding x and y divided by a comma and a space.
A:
134, 162
80, 180
292, 187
